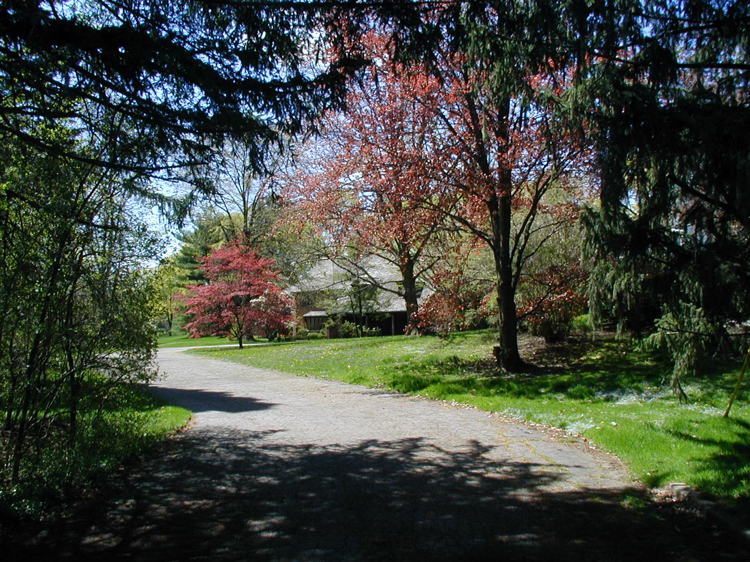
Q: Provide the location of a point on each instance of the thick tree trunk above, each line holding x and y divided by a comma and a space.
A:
409, 280
506, 352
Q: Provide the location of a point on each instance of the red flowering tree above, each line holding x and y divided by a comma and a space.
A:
367, 185
241, 298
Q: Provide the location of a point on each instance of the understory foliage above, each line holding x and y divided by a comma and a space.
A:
241, 298
75, 306
551, 299
460, 291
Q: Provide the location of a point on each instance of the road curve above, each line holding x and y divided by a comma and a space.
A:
279, 467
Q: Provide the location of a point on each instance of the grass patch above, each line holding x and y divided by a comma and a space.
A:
184, 340
608, 392
128, 424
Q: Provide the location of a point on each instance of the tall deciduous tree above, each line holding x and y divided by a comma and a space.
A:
246, 203
501, 65
509, 157
366, 183
241, 298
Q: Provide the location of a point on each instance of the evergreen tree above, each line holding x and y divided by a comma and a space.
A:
671, 112
169, 74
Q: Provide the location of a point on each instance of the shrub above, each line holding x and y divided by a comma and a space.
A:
551, 300
348, 330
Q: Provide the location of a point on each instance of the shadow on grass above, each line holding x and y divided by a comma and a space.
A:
245, 496
726, 472
566, 370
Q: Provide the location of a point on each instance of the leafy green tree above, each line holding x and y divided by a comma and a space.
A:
97, 98
166, 286
74, 304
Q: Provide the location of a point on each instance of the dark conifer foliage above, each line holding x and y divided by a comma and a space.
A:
671, 107
166, 74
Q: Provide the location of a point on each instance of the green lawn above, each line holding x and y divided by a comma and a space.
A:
183, 340
609, 394
126, 424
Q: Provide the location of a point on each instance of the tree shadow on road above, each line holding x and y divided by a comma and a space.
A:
245, 496
199, 400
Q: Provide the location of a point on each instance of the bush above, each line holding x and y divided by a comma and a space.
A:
348, 330
582, 324
552, 325
351, 330
442, 313
551, 300
371, 332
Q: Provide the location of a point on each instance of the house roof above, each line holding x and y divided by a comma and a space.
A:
316, 314
329, 276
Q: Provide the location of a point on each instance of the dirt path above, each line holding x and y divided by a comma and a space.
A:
278, 467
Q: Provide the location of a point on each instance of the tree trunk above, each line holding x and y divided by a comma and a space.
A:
409, 280
506, 352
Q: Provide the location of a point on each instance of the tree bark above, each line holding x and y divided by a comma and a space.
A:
506, 352
409, 280
499, 206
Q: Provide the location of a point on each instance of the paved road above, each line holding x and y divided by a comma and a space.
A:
277, 467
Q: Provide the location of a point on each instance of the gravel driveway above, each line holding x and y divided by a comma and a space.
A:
278, 467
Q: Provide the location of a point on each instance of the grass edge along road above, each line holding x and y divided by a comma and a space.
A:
129, 424
606, 392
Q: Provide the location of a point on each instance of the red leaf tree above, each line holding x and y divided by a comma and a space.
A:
241, 298
366, 185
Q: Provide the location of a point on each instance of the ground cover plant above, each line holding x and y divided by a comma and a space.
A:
125, 424
606, 392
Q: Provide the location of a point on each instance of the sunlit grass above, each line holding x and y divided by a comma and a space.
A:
183, 340
125, 424
608, 393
